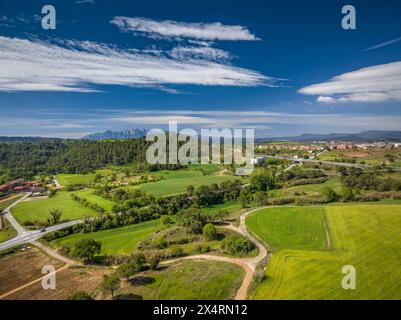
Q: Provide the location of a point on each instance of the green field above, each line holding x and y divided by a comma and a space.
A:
8, 233
290, 227
89, 194
366, 237
6, 203
117, 241
188, 280
38, 210
73, 179
176, 182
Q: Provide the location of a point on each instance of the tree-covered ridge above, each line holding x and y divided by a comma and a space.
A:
27, 159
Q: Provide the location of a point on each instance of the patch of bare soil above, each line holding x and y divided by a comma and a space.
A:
356, 154
68, 281
23, 267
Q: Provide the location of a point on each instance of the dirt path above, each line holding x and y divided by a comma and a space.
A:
55, 255
248, 264
10, 197
33, 282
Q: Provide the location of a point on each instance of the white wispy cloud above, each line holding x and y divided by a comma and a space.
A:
32, 65
207, 53
178, 29
378, 83
384, 44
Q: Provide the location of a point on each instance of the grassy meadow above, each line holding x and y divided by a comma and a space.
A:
365, 236
8, 233
73, 179
188, 280
38, 210
116, 241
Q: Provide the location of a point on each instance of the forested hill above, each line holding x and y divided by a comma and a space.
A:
27, 159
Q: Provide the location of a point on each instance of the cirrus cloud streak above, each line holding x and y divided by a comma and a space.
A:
32, 65
380, 83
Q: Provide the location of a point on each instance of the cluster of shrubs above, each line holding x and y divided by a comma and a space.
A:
302, 174
87, 204
301, 182
370, 181
237, 245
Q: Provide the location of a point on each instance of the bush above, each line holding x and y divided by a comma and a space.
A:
209, 232
165, 220
86, 249
237, 245
205, 249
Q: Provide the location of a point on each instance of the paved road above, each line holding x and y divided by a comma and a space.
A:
26, 236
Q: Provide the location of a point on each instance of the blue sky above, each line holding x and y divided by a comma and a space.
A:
281, 67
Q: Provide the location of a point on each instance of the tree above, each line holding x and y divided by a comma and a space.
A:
55, 215
135, 265
86, 249
347, 194
210, 232
244, 197
153, 258
260, 198
190, 190
110, 284
330, 194
80, 295
193, 218
237, 245
261, 180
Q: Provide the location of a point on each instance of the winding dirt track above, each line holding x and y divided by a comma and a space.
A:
248, 264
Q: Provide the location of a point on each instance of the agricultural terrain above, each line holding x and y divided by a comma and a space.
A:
303, 265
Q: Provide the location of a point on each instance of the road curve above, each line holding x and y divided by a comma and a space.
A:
27, 236
248, 264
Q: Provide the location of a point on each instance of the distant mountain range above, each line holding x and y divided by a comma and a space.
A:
370, 135
116, 135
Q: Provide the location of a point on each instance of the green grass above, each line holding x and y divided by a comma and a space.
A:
176, 182
189, 280
38, 210
366, 237
72, 179
6, 203
89, 194
8, 233
117, 241
290, 227
229, 206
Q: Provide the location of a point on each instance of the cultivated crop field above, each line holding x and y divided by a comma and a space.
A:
188, 280
38, 210
116, 241
290, 227
365, 236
